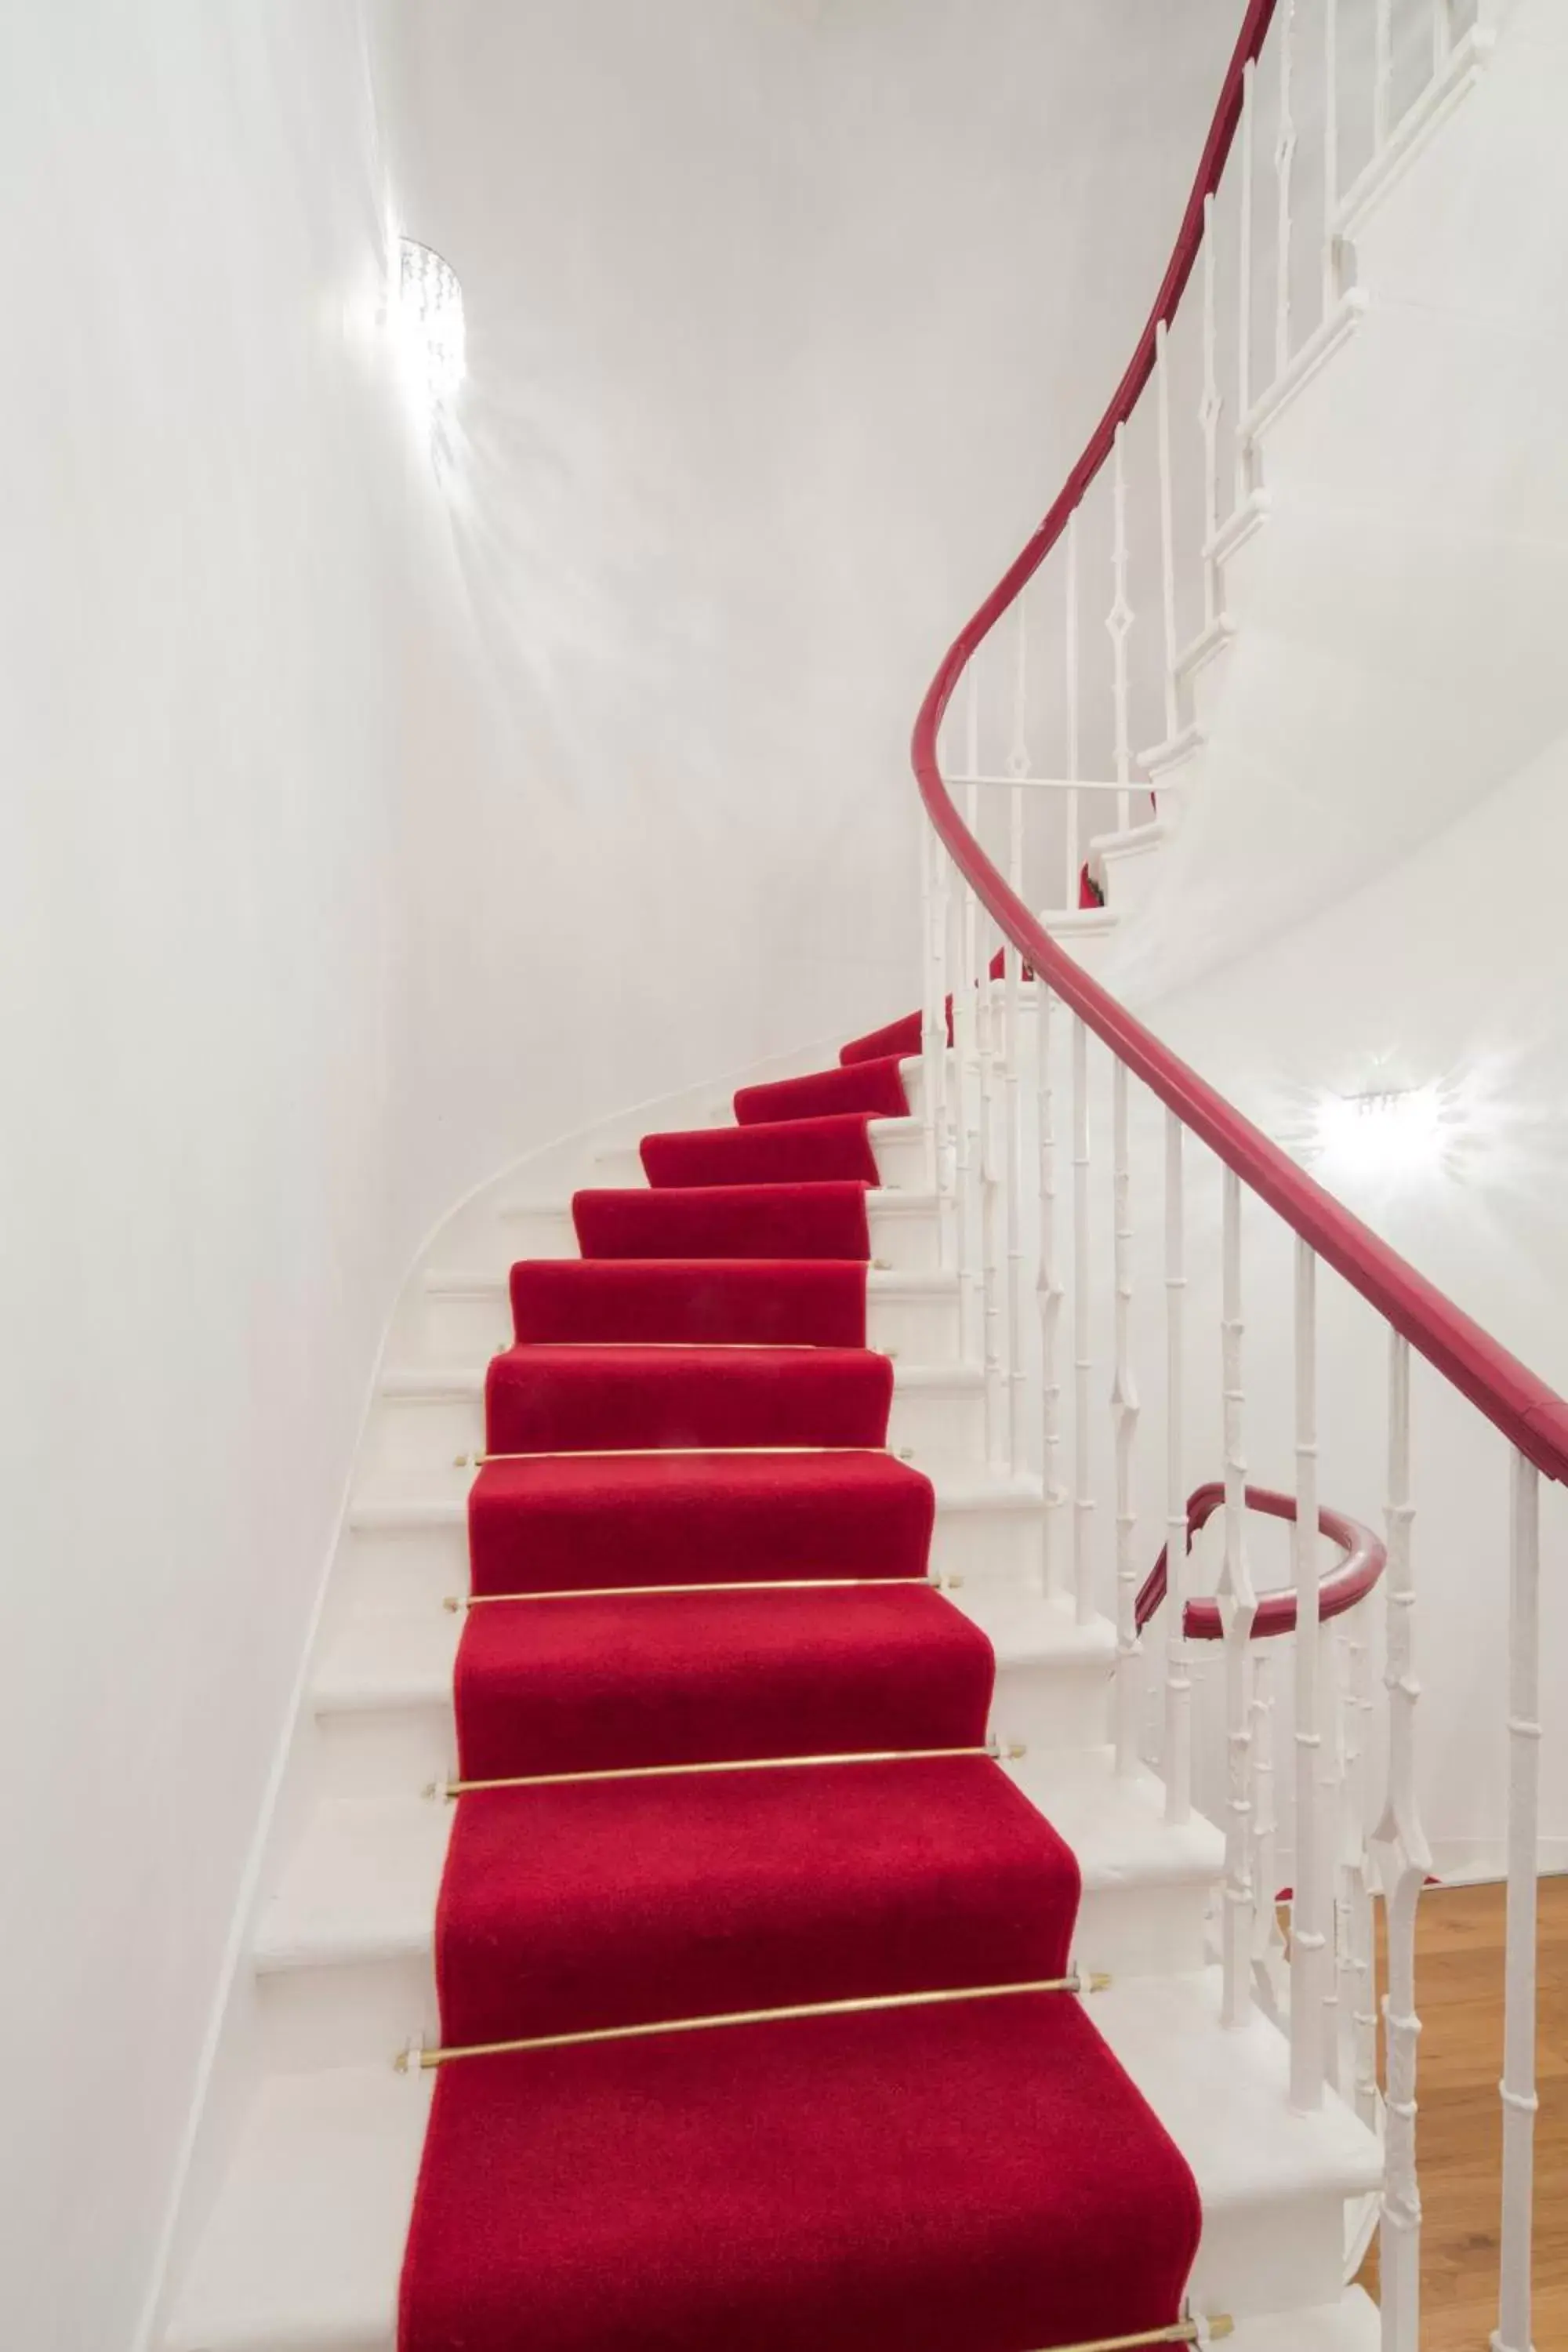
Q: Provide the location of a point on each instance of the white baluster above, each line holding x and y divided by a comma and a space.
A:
1071, 658
1238, 1609
1382, 74
1210, 410
1309, 1940
1124, 1423
1018, 766
1359, 1986
990, 1186
1083, 1360
966, 1044
1331, 1788
1178, 1743
1117, 624
942, 1108
1518, 2086
1441, 33
930, 1001
1330, 153
1244, 288
1268, 1942
1284, 158
1048, 1293
1399, 1847
1167, 527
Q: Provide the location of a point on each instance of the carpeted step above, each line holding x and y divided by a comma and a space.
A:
552, 1400
568, 1909
873, 1086
901, 1039
788, 1151
585, 1521
783, 1303
606, 1683
773, 1220
976, 2176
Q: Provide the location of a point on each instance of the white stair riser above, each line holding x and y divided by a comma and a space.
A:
349, 2008
402, 1749
419, 1445
900, 1158
904, 1238
1271, 2257
466, 1327
403, 1570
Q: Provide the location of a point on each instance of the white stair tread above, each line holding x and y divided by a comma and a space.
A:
362, 1879
389, 1658
1351, 2324
881, 1282
421, 1383
1222, 2094
304, 2247
958, 1488
1117, 1826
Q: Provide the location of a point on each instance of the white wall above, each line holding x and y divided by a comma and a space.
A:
361, 831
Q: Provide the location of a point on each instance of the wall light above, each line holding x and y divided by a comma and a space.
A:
1391, 1134
427, 320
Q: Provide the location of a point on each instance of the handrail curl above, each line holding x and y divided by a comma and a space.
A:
1365, 1558
1529, 1412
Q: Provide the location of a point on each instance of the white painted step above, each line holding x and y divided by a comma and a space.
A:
303, 2250
1351, 2324
903, 1227
344, 1946
412, 1552
381, 1694
909, 1315
428, 1422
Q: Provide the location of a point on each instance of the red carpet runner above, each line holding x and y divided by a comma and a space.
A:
699, 1554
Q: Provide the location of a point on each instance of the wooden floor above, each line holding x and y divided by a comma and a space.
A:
1459, 1957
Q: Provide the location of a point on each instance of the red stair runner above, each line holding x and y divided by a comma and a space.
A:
786, 1151
741, 1736
709, 1221
873, 1086
609, 1903
791, 1302
977, 2176
586, 1522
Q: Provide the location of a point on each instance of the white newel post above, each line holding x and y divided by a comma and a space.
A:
1244, 288
1284, 160
1167, 527
1309, 1940
1517, 2089
1238, 1609
1178, 1743
1011, 1074
930, 1004
1124, 1424
1400, 1851
1210, 410
1070, 681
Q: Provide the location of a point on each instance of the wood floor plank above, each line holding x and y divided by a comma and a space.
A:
1460, 1991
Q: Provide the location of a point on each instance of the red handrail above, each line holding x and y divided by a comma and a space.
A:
1530, 1413
1364, 1562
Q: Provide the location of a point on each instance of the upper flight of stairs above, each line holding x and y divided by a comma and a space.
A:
311, 2194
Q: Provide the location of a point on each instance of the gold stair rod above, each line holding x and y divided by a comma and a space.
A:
459, 1601
1012, 1755
1183, 2331
412, 2059
647, 1453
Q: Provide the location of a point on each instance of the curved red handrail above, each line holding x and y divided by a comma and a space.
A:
1364, 1561
1530, 1413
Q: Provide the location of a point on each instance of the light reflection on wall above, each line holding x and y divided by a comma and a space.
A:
426, 313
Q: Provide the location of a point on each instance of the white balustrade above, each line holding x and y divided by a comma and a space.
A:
1313, 1694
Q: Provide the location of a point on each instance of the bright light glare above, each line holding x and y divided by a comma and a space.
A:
1380, 1135
429, 319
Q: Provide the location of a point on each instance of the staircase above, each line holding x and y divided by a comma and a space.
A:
721, 1895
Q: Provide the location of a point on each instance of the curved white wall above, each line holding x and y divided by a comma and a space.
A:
359, 831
